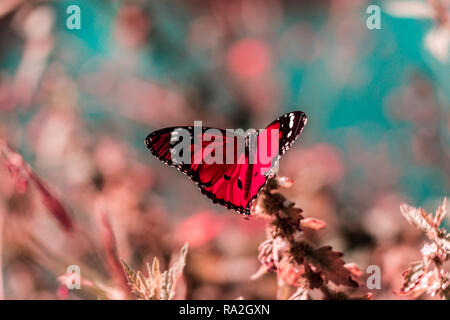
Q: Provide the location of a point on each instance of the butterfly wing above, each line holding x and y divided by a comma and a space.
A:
285, 130
233, 184
289, 128
221, 182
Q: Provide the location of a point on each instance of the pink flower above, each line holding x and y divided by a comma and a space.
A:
429, 250
249, 58
63, 292
200, 228
288, 274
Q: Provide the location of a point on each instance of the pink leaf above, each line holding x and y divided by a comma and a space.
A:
112, 256
329, 262
412, 277
420, 219
353, 268
440, 213
52, 203
312, 223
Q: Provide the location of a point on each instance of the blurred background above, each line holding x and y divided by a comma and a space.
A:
77, 104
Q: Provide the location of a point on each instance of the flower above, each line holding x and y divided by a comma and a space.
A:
297, 261
157, 285
437, 40
249, 58
427, 275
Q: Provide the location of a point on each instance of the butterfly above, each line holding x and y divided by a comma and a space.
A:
230, 167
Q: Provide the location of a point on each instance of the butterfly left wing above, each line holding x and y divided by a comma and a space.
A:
222, 182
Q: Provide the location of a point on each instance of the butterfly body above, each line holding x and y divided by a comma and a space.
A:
230, 168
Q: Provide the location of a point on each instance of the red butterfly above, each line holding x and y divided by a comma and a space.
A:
230, 167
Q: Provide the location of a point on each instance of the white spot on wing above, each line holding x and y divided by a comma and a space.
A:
175, 135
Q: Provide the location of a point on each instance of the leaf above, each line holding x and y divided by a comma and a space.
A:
446, 243
312, 223
22, 173
440, 213
178, 266
113, 262
329, 262
446, 293
156, 277
176, 271
158, 285
96, 288
412, 277
134, 281
265, 255
53, 204
258, 274
300, 294
420, 219
354, 269
285, 182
